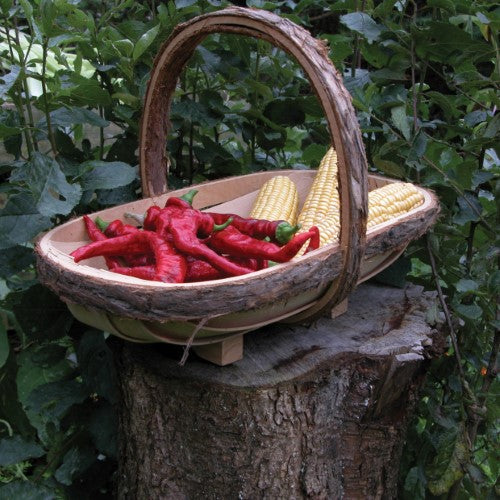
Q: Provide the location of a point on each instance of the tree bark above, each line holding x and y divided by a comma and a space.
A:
309, 412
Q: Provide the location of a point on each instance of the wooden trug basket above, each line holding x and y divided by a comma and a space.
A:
214, 315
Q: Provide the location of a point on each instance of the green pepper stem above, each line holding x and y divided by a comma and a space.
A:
220, 227
285, 232
189, 196
101, 224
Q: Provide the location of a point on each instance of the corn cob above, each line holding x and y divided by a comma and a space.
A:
277, 200
384, 203
323, 196
392, 200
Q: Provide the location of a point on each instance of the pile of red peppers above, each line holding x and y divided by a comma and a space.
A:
179, 244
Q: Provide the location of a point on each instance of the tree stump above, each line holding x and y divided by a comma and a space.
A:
309, 412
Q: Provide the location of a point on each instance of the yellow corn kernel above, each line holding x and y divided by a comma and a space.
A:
392, 200
329, 228
323, 196
277, 200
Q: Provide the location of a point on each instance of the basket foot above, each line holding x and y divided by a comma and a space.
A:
339, 309
222, 353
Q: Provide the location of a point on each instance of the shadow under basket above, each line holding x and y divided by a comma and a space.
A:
213, 315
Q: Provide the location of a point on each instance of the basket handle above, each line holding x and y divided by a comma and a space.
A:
312, 55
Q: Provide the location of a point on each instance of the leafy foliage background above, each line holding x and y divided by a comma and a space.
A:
424, 77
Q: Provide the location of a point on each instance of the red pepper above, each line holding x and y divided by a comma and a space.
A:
186, 226
95, 234
170, 265
200, 270
147, 272
118, 228
233, 242
280, 231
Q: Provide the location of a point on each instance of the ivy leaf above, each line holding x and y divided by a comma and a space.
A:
106, 175
362, 23
145, 41
400, 120
20, 221
51, 191
15, 449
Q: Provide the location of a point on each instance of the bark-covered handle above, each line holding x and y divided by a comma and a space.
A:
312, 55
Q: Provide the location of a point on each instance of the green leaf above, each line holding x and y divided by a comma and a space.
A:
70, 116
362, 23
75, 463
466, 285
389, 167
96, 365
9, 79
20, 221
313, 154
4, 345
180, 4
145, 41
51, 191
26, 490
103, 427
415, 482
33, 372
50, 402
447, 465
15, 449
469, 209
400, 120
106, 175
469, 311
40, 313
81, 91
493, 127
6, 131
285, 112
196, 112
